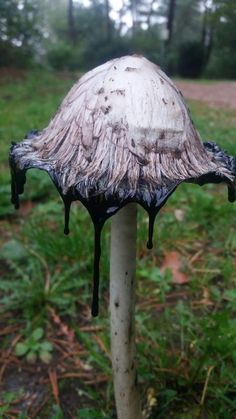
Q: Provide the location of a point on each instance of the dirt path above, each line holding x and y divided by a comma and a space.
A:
217, 94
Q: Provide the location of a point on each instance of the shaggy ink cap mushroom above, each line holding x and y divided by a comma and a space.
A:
122, 134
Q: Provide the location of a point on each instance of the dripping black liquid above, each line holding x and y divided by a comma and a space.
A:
102, 206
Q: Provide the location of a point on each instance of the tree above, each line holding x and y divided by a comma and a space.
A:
108, 20
71, 22
21, 31
222, 61
170, 20
183, 47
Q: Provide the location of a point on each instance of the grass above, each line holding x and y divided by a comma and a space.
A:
186, 334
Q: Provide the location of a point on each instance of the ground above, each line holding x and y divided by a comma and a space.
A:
216, 94
186, 326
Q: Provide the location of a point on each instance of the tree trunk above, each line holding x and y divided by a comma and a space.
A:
108, 21
170, 20
71, 22
134, 13
150, 13
122, 13
122, 304
207, 33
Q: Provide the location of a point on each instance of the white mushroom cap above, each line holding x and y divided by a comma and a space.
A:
122, 123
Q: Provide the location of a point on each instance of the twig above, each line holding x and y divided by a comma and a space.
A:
206, 385
97, 381
13, 412
12, 402
58, 347
72, 354
91, 329
41, 406
196, 304
75, 375
154, 300
203, 270
9, 329
102, 346
54, 383
64, 328
61, 341
8, 353
70, 375
195, 256
170, 371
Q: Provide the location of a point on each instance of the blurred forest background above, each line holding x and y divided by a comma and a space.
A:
189, 38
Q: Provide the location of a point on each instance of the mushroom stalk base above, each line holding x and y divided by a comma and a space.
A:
122, 304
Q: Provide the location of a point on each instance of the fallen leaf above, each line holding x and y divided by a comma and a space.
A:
173, 261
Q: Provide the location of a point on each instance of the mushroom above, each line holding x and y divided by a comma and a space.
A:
122, 135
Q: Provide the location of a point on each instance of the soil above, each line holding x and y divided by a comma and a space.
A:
216, 94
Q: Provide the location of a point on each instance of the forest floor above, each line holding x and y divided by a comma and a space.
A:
217, 94
54, 357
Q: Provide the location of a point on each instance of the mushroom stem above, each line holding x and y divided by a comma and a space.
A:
122, 305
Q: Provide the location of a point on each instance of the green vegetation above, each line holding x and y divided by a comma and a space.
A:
186, 334
33, 347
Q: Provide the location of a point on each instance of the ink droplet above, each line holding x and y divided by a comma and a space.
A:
67, 206
97, 255
152, 215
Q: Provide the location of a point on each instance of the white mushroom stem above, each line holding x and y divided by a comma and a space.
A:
122, 304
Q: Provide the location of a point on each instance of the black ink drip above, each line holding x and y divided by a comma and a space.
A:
152, 215
102, 206
14, 194
67, 206
231, 193
18, 179
96, 270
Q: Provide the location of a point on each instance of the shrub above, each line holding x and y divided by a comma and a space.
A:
62, 56
222, 64
191, 59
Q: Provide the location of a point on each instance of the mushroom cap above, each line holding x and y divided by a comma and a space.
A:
123, 133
